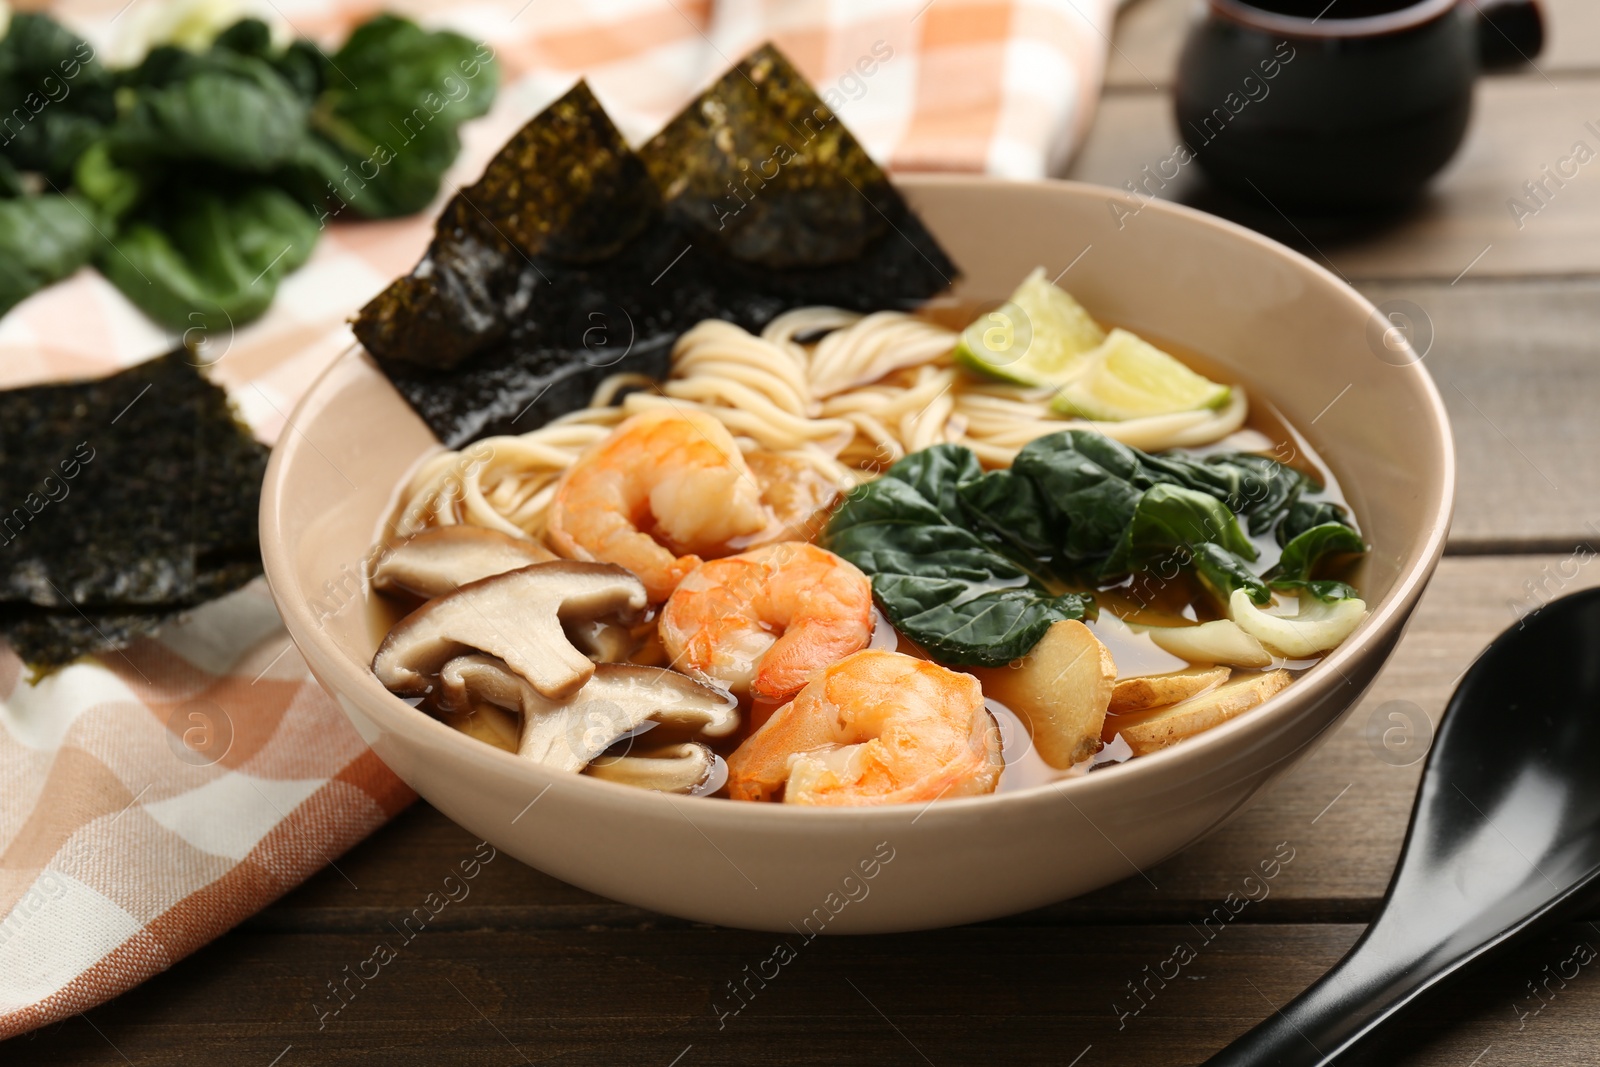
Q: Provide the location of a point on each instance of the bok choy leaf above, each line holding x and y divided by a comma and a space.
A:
42, 240
941, 584
960, 558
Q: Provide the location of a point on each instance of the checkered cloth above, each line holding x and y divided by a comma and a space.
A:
150, 801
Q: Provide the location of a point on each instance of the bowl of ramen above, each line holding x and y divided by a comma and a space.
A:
784, 572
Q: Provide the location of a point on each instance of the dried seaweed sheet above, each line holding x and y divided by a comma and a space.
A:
127, 495
565, 188
768, 174
826, 228
595, 321
47, 638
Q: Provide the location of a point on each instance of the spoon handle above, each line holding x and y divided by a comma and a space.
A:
1371, 983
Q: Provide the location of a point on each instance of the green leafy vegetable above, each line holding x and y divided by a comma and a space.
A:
396, 97
1301, 555
11, 183
1010, 510
1115, 508
1170, 517
55, 97
42, 240
1221, 572
956, 553
213, 167
209, 261
942, 585
1091, 486
219, 108
304, 67
1094, 483
247, 37
1122, 510
111, 187
1257, 487
1303, 515
936, 474
1321, 588
1308, 550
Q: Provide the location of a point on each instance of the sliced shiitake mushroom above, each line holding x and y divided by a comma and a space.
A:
604, 641
490, 724
440, 560
468, 680
682, 768
519, 617
618, 699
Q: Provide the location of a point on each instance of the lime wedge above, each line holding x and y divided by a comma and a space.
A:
1038, 337
1128, 378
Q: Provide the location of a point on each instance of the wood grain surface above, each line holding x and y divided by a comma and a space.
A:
1515, 363
528, 970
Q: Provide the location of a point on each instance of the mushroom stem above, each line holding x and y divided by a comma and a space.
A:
617, 700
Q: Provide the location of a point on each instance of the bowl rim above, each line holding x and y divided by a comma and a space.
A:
1195, 754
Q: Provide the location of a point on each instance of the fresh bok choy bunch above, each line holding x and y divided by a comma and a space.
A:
197, 179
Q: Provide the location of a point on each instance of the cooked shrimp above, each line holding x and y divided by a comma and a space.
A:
666, 484
875, 728
762, 622
799, 495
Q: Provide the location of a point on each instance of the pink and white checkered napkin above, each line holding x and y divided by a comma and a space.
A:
122, 849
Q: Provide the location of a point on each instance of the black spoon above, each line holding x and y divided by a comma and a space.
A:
1505, 838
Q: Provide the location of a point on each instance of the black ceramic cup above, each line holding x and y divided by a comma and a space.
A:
1342, 105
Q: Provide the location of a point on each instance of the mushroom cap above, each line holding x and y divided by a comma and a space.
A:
518, 617
618, 699
442, 559
682, 768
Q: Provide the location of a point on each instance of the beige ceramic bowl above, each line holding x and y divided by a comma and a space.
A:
1298, 334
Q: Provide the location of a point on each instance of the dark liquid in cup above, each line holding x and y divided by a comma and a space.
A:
1332, 9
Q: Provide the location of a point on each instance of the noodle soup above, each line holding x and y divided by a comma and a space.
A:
854, 559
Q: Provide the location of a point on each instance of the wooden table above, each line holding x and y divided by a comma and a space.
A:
528, 970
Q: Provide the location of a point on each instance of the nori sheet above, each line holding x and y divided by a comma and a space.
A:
612, 296
479, 271
134, 494
768, 174
47, 638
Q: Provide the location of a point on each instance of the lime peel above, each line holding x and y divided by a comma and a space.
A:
1129, 378
1038, 337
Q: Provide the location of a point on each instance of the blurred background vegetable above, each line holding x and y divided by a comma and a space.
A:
42, 240
200, 176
